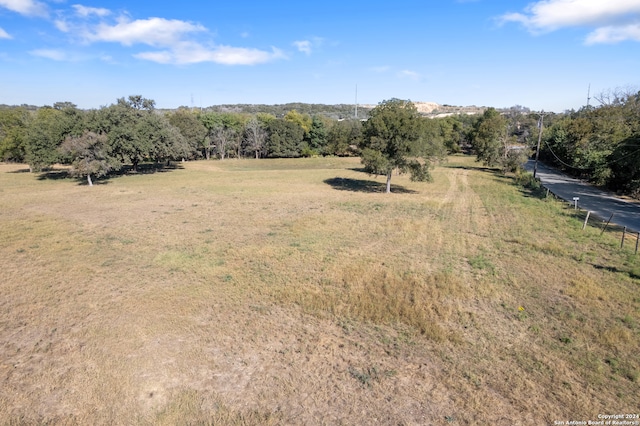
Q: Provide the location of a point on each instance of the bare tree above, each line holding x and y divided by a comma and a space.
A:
223, 138
255, 137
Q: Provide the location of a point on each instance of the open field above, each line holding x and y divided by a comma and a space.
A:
256, 292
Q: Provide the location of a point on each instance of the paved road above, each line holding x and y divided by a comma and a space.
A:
599, 202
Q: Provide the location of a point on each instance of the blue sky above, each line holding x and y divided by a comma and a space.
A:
539, 54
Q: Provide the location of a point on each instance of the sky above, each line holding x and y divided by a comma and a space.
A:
547, 55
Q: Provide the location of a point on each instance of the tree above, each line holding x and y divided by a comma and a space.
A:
89, 154
302, 120
191, 128
42, 139
121, 122
343, 136
285, 138
255, 137
392, 140
224, 139
317, 136
488, 137
224, 131
14, 123
164, 140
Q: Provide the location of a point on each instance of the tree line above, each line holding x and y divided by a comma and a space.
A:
599, 144
132, 131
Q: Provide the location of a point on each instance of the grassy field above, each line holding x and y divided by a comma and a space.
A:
256, 292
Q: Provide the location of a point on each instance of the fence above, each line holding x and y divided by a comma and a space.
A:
627, 236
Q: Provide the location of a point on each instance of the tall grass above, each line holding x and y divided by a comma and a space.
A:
295, 292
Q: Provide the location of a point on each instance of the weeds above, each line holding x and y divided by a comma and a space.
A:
245, 292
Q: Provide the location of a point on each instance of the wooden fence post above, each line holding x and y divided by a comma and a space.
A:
586, 220
624, 231
604, 228
637, 241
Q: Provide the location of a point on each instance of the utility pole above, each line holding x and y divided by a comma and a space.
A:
541, 126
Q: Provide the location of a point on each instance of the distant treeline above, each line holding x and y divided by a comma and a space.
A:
337, 112
132, 131
600, 144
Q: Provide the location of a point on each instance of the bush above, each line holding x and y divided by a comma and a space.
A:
526, 180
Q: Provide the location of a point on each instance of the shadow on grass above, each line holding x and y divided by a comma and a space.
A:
53, 174
146, 169
633, 273
142, 169
361, 185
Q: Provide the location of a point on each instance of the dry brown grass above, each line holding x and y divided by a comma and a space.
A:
297, 292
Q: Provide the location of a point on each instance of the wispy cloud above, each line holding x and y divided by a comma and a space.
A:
175, 41
410, 75
152, 31
53, 54
25, 7
611, 20
309, 45
614, 34
4, 34
191, 53
303, 46
85, 11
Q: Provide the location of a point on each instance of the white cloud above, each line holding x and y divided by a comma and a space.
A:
25, 7
4, 34
303, 46
86, 11
54, 54
613, 20
172, 41
409, 74
614, 34
192, 53
152, 31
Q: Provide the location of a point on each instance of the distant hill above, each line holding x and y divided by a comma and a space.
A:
342, 111
339, 111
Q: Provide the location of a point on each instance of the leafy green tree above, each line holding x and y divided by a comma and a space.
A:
46, 132
191, 128
165, 141
392, 140
89, 155
44, 135
343, 136
14, 123
302, 120
452, 133
121, 123
489, 138
317, 137
285, 138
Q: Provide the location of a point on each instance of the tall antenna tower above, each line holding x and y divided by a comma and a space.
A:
356, 101
588, 95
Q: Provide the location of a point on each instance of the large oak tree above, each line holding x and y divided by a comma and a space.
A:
393, 140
